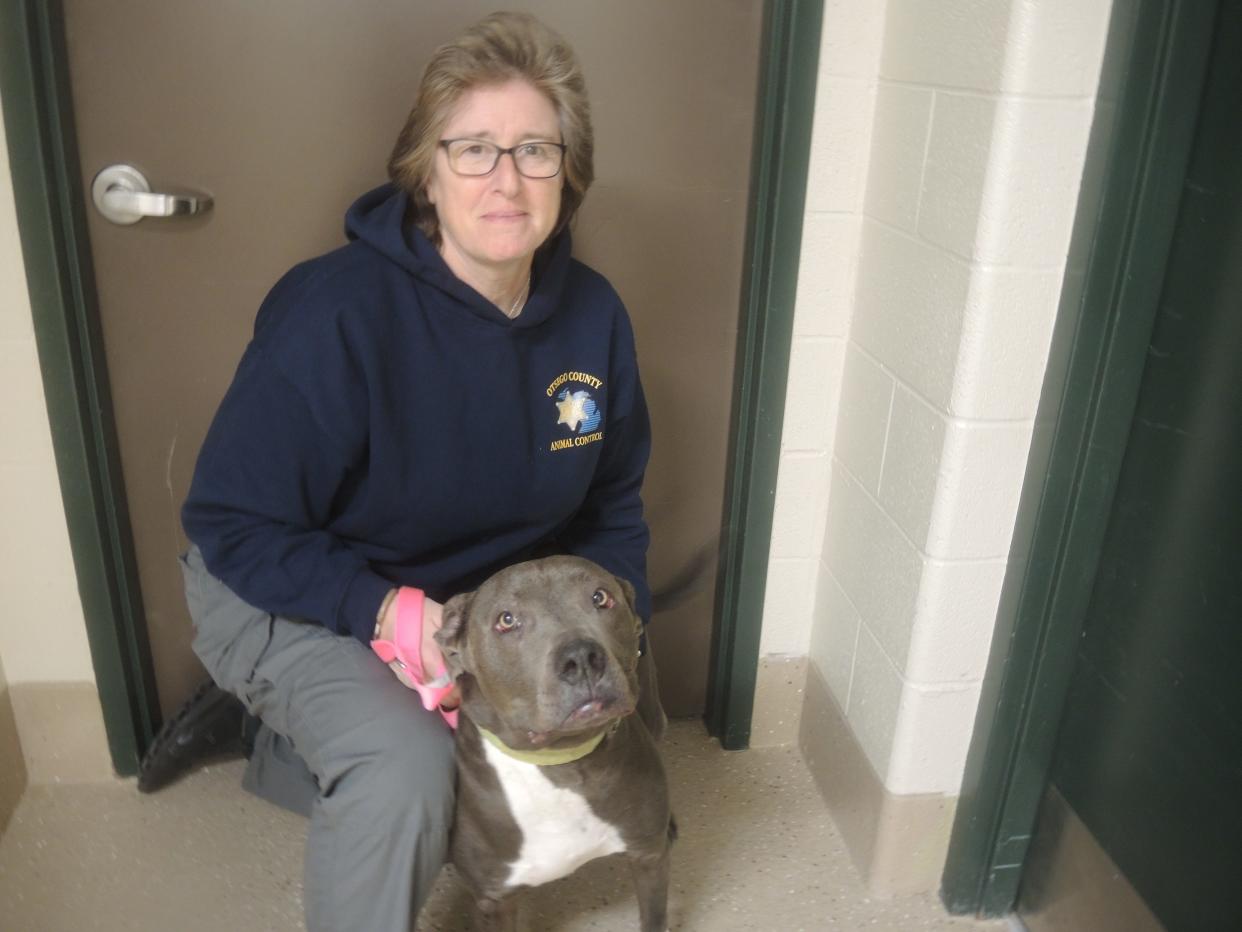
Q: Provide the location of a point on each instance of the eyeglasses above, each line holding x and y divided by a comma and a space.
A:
474, 157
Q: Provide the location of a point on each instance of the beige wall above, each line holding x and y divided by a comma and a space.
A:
944, 182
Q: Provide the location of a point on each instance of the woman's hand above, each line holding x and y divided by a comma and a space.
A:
433, 618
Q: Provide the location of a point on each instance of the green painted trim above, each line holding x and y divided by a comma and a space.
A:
43, 160
780, 163
1095, 366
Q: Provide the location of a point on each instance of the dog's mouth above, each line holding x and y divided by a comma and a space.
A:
587, 716
590, 712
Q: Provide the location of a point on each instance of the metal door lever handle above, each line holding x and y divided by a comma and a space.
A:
146, 204
122, 194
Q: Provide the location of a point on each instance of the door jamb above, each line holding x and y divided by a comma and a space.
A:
51, 207
1095, 367
780, 162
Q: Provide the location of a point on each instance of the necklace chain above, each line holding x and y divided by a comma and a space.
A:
519, 300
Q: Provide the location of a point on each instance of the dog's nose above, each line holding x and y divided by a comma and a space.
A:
581, 661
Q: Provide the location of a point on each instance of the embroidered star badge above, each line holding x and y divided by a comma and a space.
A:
572, 408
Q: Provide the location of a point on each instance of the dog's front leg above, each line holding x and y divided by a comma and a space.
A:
498, 915
651, 882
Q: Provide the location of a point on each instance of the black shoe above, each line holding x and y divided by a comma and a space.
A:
211, 723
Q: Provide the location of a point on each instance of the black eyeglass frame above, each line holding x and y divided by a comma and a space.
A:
511, 152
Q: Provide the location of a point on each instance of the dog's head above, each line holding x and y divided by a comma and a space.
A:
545, 651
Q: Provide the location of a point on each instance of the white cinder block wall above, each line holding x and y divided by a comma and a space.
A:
948, 149
840, 149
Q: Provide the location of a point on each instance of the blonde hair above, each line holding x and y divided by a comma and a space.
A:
502, 47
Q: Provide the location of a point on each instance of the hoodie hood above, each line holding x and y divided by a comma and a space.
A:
378, 219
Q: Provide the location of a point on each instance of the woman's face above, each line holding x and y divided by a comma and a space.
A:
488, 223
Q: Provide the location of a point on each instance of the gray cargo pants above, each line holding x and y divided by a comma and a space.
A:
343, 742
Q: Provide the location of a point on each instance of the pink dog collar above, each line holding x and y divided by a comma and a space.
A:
405, 652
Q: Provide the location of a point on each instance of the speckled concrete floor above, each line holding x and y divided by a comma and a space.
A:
757, 852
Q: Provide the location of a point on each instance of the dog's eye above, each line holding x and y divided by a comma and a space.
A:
602, 599
505, 622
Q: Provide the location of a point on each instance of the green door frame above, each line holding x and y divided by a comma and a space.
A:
1161, 49
51, 218
51, 213
780, 161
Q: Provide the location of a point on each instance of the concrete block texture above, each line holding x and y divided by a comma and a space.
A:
863, 419
949, 43
853, 37
877, 567
910, 304
899, 133
825, 296
811, 394
840, 143
787, 609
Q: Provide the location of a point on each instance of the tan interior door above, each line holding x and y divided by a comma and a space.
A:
284, 111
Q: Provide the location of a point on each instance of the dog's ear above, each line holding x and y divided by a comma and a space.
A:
631, 600
631, 597
452, 634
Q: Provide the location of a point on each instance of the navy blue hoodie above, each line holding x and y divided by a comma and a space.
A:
388, 425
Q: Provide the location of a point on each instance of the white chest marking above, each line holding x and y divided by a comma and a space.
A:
560, 833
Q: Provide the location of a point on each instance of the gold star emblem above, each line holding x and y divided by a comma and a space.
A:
572, 410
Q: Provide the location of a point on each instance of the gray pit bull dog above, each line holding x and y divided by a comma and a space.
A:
556, 750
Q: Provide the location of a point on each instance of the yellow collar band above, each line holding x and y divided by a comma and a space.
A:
545, 757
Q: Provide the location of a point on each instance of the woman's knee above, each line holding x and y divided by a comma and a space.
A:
405, 768
426, 765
